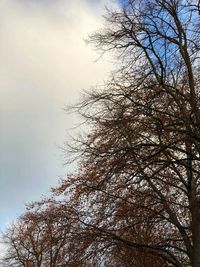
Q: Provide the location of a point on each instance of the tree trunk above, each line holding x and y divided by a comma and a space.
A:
196, 234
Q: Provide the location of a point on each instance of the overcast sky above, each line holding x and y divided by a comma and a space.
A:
44, 64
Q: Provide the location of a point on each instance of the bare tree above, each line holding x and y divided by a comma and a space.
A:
135, 199
41, 237
139, 165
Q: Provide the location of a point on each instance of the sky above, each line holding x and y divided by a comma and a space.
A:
44, 65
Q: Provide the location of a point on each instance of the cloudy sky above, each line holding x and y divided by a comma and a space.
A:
44, 64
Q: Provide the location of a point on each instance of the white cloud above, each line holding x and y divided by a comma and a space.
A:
46, 49
44, 63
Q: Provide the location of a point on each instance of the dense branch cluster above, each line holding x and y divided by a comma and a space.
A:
135, 198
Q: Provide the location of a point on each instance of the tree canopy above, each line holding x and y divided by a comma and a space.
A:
135, 199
